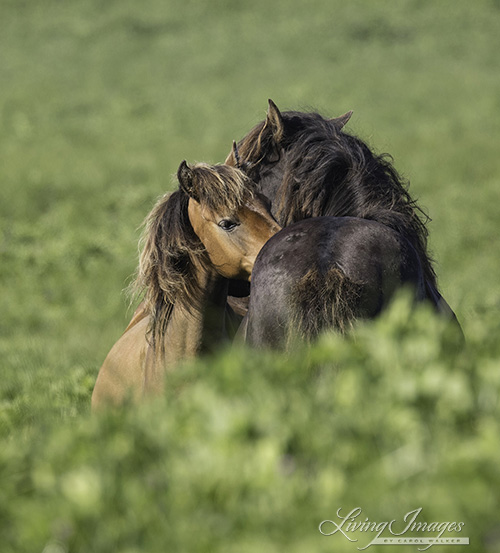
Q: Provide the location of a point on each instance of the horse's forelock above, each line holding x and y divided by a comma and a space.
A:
259, 141
222, 188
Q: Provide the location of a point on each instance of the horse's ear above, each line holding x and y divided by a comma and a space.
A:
236, 155
274, 120
342, 121
185, 178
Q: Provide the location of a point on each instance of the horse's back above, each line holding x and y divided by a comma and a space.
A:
134, 369
122, 372
327, 272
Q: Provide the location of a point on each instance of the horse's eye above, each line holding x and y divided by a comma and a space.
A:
227, 225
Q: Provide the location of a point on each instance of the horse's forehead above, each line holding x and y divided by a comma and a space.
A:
250, 206
208, 213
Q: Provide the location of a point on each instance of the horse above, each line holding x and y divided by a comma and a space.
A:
308, 166
196, 238
326, 273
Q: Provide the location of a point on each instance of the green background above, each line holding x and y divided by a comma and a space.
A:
99, 103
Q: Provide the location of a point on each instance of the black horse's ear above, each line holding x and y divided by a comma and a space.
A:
274, 120
236, 155
342, 121
185, 178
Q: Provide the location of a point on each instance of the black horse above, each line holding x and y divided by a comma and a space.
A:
326, 273
308, 166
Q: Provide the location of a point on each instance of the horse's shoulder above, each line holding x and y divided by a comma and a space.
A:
122, 371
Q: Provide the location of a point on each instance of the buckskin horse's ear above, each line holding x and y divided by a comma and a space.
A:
185, 178
274, 121
342, 121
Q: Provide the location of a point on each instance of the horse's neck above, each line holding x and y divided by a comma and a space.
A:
190, 332
200, 328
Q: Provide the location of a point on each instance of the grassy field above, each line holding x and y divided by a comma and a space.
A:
99, 103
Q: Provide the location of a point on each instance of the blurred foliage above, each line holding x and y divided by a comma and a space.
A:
249, 451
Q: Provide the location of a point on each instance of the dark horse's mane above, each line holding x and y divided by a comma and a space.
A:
327, 171
172, 254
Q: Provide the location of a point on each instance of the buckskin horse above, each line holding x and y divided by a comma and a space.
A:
195, 239
308, 166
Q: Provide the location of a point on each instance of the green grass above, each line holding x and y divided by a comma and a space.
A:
99, 103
